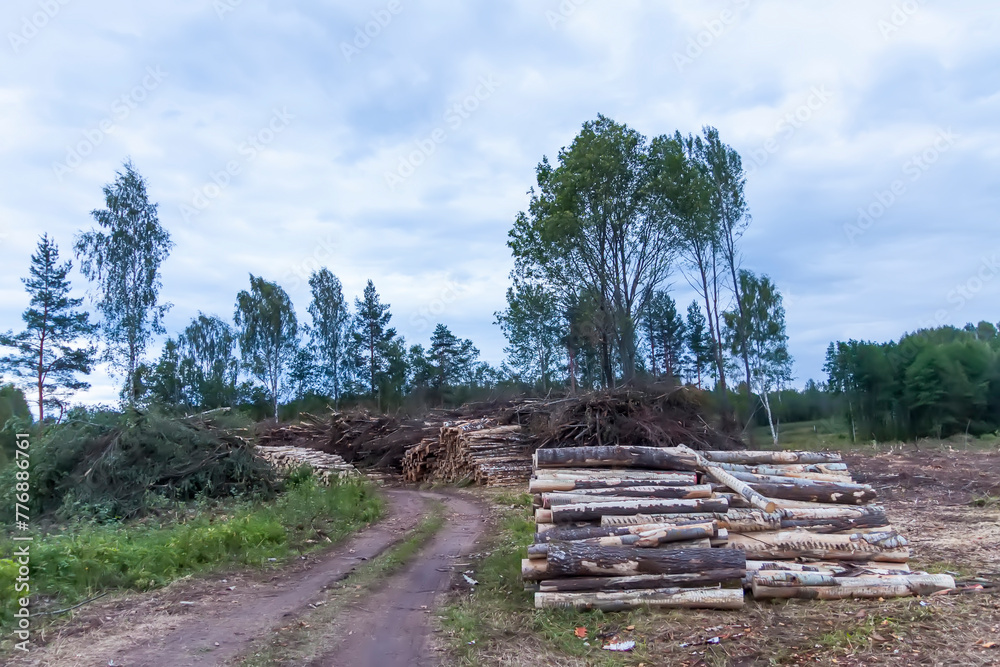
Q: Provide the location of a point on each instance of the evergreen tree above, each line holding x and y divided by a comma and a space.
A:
303, 373
124, 258
451, 358
330, 328
372, 337
53, 349
699, 343
665, 332
268, 334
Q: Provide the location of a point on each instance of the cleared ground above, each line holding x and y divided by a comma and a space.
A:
944, 500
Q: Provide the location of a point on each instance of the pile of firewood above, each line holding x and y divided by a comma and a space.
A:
325, 466
479, 451
620, 527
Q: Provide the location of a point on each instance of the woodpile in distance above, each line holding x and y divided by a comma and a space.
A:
325, 466
479, 451
621, 527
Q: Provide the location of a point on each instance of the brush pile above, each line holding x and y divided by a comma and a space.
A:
620, 527
325, 466
479, 451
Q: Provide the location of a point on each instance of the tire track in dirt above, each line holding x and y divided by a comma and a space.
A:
391, 627
209, 639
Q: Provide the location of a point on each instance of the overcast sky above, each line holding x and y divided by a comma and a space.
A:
396, 141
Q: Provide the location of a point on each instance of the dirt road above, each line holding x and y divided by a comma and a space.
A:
210, 621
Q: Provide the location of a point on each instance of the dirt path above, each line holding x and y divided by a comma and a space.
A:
206, 621
391, 628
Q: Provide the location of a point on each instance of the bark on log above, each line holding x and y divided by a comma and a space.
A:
630, 474
546, 484
836, 470
541, 550
734, 520
570, 559
675, 598
559, 534
756, 499
595, 510
826, 566
771, 457
615, 494
825, 526
838, 494
840, 588
641, 581
811, 511
888, 546
655, 458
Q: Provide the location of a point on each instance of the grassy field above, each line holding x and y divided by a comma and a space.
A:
835, 434
76, 561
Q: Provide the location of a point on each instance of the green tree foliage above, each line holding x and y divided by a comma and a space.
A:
453, 360
373, 342
303, 373
758, 326
533, 327
935, 382
14, 417
665, 332
53, 349
701, 348
171, 381
208, 348
593, 225
330, 329
124, 258
268, 334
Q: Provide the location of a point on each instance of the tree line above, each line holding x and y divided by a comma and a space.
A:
932, 383
608, 227
261, 356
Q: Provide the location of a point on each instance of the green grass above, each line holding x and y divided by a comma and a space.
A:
835, 434
85, 559
307, 639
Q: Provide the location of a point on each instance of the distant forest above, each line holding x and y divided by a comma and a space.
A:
611, 224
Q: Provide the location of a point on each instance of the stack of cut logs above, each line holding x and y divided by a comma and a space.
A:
621, 527
478, 451
325, 466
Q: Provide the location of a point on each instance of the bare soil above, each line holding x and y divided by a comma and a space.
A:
203, 621
945, 502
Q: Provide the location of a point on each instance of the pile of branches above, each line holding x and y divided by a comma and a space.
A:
362, 439
116, 466
626, 417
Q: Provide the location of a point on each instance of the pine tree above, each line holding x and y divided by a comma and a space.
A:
52, 350
124, 258
371, 336
665, 332
699, 343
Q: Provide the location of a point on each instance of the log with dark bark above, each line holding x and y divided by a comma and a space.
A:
655, 458
813, 586
595, 510
700, 540
815, 492
734, 520
568, 559
641, 581
623, 493
791, 544
559, 534
772, 457
667, 598
547, 484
